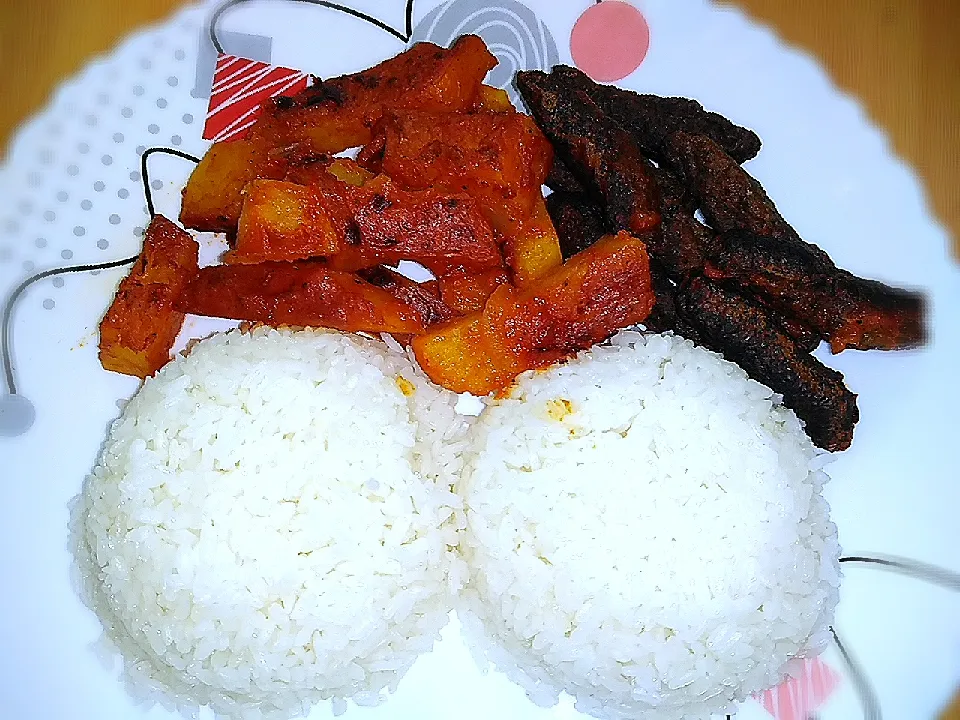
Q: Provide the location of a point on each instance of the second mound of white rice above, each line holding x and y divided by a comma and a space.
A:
645, 532
270, 523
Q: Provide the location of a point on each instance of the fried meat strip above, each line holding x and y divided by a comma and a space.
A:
651, 119
843, 309
745, 334
578, 220
603, 155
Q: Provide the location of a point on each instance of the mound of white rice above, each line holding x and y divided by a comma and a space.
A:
645, 531
270, 524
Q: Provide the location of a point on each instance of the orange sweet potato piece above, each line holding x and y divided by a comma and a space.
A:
465, 292
283, 221
339, 113
298, 294
501, 159
533, 249
423, 297
361, 227
598, 291
491, 99
213, 196
142, 323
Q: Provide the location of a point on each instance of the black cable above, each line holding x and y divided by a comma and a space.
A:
218, 13
911, 568
145, 174
868, 699
6, 333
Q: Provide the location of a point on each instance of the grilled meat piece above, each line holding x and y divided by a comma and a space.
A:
745, 334
562, 179
651, 119
603, 155
843, 309
728, 196
578, 220
665, 315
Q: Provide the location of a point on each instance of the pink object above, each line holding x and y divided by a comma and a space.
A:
799, 697
610, 40
239, 87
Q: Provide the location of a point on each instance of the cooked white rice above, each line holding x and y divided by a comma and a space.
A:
270, 524
646, 532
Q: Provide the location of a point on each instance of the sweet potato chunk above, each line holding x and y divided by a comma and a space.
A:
491, 99
299, 294
501, 159
339, 113
598, 291
464, 292
142, 323
213, 196
283, 221
533, 250
361, 227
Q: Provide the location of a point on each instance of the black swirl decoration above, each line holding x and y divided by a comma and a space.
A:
511, 30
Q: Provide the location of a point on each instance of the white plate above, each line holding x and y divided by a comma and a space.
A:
71, 195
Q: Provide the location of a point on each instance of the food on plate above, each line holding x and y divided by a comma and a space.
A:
465, 292
270, 524
142, 323
843, 309
306, 294
744, 284
747, 335
362, 226
583, 302
499, 158
651, 119
331, 116
426, 298
603, 156
645, 531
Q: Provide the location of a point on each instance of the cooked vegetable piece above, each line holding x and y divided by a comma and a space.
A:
373, 225
464, 292
745, 334
142, 323
283, 221
317, 170
424, 297
651, 118
493, 99
339, 113
299, 294
843, 309
603, 156
500, 159
213, 196
533, 249
598, 291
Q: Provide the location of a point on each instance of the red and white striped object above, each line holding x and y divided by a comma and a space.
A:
799, 697
239, 86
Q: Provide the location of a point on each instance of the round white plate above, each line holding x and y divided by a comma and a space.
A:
71, 194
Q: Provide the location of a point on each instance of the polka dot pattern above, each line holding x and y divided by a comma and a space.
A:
80, 167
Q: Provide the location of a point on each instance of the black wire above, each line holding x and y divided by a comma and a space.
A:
145, 174
215, 18
6, 334
911, 568
871, 706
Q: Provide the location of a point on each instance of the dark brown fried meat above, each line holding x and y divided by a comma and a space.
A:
843, 309
745, 334
562, 179
577, 219
664, 316
651, 119
602, 155
728, 196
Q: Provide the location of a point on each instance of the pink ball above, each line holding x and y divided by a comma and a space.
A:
610, 40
